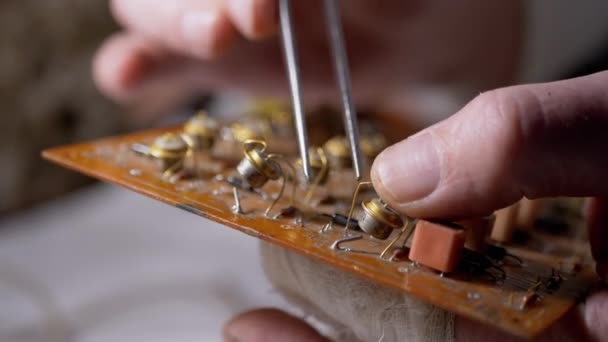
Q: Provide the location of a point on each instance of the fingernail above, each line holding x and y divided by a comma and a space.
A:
409, 170
197, 28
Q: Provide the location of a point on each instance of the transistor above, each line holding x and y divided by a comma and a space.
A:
338, 152
200, 132
378, 219
239, 183
372, 145
258, 167
170, 150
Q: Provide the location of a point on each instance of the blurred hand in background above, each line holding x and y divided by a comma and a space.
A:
172, 50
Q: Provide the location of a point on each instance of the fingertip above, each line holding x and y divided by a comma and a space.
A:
118, 9
208, 33
269, 325
407, 173
120, 64
375, 178
595, 310
200, 29
255, 19
379, 168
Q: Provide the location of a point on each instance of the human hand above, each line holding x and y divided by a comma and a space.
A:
532, 140
171, 50
535, 141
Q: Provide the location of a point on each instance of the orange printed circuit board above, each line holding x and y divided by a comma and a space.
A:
522, 271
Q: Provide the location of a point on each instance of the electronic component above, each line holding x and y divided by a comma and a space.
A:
169, 150
504, 224
343, 220
378, 219
477, 232
528, 213
437, 245
259, 167
338, 152
256, 167
200, 132
372, 145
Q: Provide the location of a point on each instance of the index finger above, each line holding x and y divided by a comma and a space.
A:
198, 28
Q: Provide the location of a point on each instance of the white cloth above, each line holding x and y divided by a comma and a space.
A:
355, 308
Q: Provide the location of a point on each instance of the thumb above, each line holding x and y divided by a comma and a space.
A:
269, 325
532, 140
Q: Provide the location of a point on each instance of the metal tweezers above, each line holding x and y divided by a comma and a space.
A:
336, 38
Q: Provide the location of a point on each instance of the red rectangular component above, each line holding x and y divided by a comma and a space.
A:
437, 245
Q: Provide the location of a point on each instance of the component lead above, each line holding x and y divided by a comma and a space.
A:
236, 208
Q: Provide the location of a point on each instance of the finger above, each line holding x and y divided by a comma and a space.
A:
595, 314
130, 68
255, 19
533, 140
269, 325
199, 28
122, 62
143, 76
597, 222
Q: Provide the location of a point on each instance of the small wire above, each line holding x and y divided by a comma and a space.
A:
352, 205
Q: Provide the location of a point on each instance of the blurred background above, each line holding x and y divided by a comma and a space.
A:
97, 263
47, 94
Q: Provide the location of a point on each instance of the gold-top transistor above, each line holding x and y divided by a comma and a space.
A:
378, 219
201, 131
338, 152
372, 145
170, 150
256, 168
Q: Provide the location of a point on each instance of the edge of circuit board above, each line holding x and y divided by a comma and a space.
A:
499, 305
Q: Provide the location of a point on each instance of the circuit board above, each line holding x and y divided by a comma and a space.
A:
538, 277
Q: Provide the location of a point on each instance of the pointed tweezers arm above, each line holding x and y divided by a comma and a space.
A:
336, 40
293, 72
